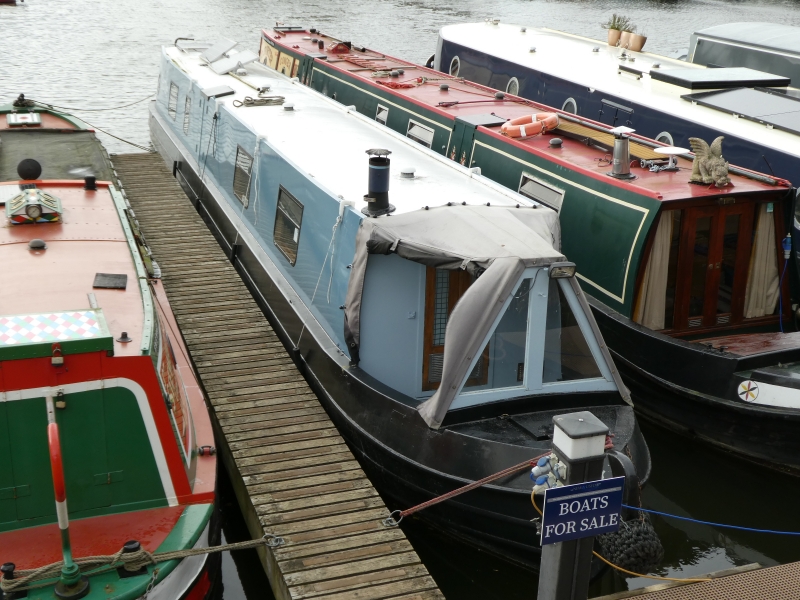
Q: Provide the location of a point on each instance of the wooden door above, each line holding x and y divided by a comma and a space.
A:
713, 264
443, 289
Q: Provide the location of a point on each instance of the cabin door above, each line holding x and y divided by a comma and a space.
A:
443, 289
713, 266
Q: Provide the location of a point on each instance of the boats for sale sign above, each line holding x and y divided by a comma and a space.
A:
582, 510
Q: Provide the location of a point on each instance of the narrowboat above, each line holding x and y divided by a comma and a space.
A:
431, 309
687, 280
663, 98
105, 438
770, 47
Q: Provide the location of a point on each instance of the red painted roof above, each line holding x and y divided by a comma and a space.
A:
36, 546
475, 99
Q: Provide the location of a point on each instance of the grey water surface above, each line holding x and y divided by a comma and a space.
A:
98, 55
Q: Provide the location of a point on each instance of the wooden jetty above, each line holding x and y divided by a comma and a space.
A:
292, 472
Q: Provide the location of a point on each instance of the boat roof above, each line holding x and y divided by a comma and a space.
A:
473, 102
774, 36
558, 53
327, 141
45, 294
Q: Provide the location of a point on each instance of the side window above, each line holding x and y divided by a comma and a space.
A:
187, 112
382, 114
173, 100
288, 219
538, 190
420, 133
241, 175
455, 66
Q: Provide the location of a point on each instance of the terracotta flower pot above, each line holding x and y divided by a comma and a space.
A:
637, 42
625, 39
613, 36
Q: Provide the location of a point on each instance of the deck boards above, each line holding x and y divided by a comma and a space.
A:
293, 474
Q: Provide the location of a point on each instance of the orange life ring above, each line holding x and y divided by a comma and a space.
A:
530, 125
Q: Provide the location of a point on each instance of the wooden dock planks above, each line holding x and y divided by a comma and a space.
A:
292, 472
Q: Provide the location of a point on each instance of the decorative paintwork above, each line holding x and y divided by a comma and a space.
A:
27, 336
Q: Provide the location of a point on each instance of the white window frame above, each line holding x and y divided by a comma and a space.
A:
525, 175
378, 112
413, 123
534, 349
172, 106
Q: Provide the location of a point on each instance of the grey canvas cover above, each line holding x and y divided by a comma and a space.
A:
494, 243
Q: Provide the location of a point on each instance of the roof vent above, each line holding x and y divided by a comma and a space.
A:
33, 206
37, 244
29, 169
407, 173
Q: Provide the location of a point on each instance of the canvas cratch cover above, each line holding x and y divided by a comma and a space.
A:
494, 243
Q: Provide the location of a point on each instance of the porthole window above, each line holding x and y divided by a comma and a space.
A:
187, 112
665, 137
241, 175
513, 86
288, 218
570, 106
172, 107
455, 66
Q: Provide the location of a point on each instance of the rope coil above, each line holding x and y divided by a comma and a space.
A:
260, 101
27, 579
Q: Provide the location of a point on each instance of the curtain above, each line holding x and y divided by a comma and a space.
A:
762, 277
649, 309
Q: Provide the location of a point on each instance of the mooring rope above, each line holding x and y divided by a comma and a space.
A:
712, 524
26, 579
391, 521
617, 567
260, 101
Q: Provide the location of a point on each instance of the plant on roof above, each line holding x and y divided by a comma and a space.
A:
619, 22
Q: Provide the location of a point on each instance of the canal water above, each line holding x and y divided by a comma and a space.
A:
99, 55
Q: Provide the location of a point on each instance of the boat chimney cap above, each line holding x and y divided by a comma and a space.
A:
29, 169
378, 152
621, 131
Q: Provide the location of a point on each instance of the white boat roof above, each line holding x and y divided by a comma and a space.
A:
774, 36
571, 57
328, 141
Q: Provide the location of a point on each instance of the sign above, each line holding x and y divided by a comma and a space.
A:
581, 510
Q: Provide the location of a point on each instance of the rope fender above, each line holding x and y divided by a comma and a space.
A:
131, 561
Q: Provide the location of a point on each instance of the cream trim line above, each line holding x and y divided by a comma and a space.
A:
645, 212
144, 408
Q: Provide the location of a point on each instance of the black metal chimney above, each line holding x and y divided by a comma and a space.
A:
377, 197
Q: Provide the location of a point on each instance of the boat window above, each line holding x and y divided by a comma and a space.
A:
381, 114
420, 133
665, 137
570, 106
536, 189
187, 112
513, 86
567, 355
172, 107
241, 175
288, 218
455, 66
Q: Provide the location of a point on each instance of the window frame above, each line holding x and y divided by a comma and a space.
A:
298, 226
378, 112
187, 114
545, 184
245, 198
418, 140
172, 107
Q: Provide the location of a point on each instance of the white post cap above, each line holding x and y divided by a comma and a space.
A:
579, 435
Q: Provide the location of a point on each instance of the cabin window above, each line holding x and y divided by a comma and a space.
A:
455, 66
187, 113
442, 291
544, 193
513, 86
172, 107
665, 137
567, 355
420, 133
570, 106
288, 218
381, 114
711, 266
241, 175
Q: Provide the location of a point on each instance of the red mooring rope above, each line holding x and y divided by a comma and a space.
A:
391, 521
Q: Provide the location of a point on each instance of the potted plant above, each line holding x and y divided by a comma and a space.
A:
637, 42
615, 26
625, 36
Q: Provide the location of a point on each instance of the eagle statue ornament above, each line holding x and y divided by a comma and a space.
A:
709, 166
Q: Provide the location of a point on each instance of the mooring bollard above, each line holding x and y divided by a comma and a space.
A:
579, 442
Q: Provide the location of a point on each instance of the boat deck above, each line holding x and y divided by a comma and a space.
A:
291, 470
747, 582
750, 344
